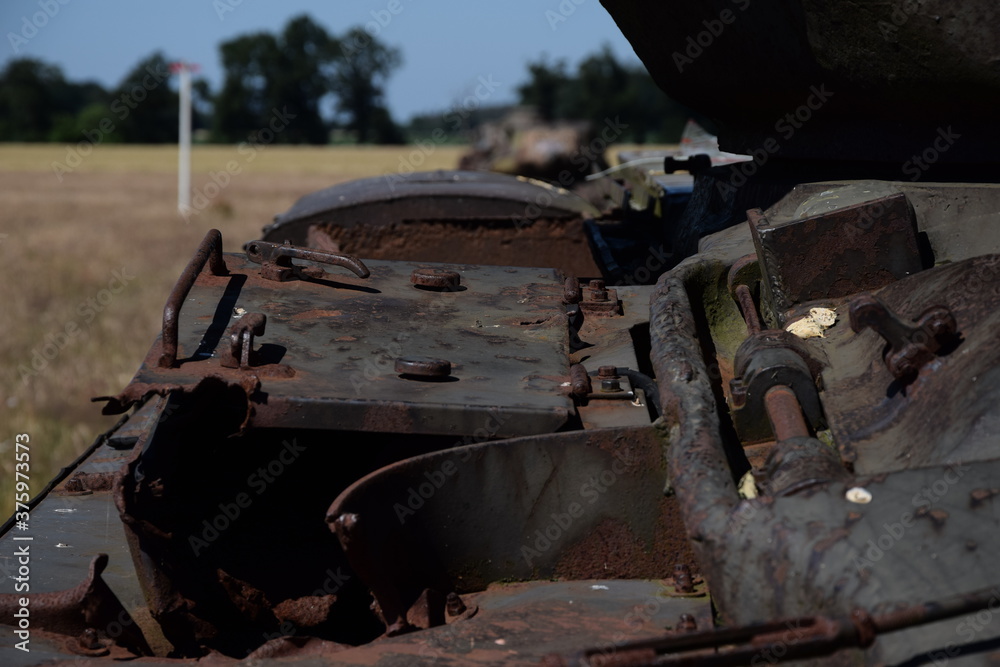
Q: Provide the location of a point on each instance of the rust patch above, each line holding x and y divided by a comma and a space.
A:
560, 244
612, 551
306, 612
89, 482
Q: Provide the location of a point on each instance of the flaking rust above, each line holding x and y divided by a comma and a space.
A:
746, 415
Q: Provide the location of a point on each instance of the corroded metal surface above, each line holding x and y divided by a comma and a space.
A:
328, 362
906, 527
911, 345
77, 613
445, 216
833, 81
837, 252
549, 495
947, 414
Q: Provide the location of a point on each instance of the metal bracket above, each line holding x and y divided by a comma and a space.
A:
276, 261
764, 360
911, 346
600, 301
239, 352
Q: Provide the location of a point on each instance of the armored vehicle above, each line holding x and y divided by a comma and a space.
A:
737, 413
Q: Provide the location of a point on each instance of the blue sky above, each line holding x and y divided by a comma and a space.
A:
446, 47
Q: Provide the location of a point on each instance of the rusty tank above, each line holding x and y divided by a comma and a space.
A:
732, 411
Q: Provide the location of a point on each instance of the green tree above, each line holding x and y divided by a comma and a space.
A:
241, 107
546, 89
267, 74
143, 106
603, 88
26, 99
303, 70
307, 59
359, 80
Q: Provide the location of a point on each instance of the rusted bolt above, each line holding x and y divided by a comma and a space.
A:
607, 372
742, 274
610, 385
454, 605
748, 308
439, 279
88, 639
345, 523
598, 292
738, 390
571, 291
579, 380
423, 367
687, 623
87, 643
683, 583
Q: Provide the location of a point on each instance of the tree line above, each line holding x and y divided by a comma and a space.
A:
603, 88
332, 85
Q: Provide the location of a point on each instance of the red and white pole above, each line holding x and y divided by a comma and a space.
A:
184, 70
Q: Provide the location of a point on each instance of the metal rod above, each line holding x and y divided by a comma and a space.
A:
785, 413
749, 309
210, 252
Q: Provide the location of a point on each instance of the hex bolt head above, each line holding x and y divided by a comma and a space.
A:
611, 385
687, 623
607, 372
454, 605
88, 639
598, 292
683, 582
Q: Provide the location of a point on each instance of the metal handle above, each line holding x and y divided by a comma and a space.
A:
210, 252
276, 260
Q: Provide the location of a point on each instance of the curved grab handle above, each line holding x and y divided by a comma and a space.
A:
210, 252
276, 259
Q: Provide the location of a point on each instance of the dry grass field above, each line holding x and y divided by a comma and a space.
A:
88, 262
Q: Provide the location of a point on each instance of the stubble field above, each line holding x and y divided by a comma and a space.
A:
89, 256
